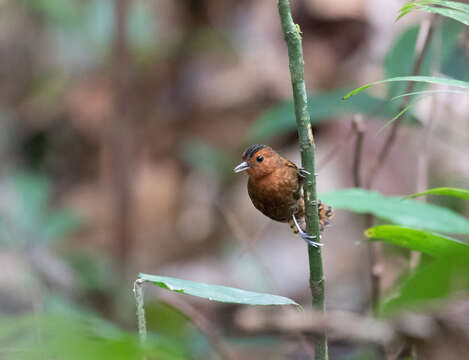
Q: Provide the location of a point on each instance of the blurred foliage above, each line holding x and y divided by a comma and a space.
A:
433, 280
322, 107
90, 25
67, 334
206, 158
26, 215
429, 285
93, 272
327, 105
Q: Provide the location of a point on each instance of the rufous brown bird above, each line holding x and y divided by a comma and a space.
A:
275, 189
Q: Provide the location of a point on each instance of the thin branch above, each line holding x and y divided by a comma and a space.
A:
359, 128
422, 159
292, 36
421, 47
120, 135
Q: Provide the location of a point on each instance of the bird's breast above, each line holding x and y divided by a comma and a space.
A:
275, 195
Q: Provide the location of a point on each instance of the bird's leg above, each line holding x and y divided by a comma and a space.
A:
304, 236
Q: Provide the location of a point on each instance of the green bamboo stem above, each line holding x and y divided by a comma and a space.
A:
292, 35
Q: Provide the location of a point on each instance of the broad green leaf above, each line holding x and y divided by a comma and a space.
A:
431, 282
216, 292
322, 106
409, 213
423, 79
429, 243
455, 192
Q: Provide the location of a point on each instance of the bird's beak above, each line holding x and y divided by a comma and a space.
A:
241, 167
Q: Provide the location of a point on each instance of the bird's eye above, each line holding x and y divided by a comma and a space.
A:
260, 158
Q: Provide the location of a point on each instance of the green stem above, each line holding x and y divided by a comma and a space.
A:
292, 35
142, 327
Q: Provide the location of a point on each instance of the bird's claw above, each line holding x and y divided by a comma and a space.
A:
302, 172
306, 237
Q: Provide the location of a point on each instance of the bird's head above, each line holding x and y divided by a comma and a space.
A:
258, 161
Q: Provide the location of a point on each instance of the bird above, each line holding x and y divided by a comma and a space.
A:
275, 189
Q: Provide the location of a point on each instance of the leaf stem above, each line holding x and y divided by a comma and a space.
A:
292, 34
142, 326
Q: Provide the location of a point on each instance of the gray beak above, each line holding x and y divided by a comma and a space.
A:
241, 167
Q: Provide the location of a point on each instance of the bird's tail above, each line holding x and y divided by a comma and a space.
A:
325, 214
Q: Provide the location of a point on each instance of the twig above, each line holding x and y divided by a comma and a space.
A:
359, 128
138, 293
421, 46
292, 36
120, 137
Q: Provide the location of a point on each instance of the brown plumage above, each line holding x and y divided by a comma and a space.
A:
274, 187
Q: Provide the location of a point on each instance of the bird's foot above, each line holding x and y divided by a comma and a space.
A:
302, 172
306, 237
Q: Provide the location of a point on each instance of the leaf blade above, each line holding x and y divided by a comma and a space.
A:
432, 244
409, 213
448, 191
216, 292
422, 79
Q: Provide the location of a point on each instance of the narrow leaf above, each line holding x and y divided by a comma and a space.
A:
431, 92
455, 192
216, 292
422, 79
429, 243
409, 213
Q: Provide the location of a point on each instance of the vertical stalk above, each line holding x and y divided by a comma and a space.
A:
292, 34
142, 326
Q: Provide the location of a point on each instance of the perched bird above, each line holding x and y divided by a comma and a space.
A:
275, 189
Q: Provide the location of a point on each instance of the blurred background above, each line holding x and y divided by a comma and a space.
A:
120, 124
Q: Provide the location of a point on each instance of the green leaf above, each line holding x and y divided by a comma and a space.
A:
450, 9
322, 106
409, 213
455, 192
429, 243
77, 336
431, 92
216, 292
422, 79
432, 282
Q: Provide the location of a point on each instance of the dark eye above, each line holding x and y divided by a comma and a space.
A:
260, 158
